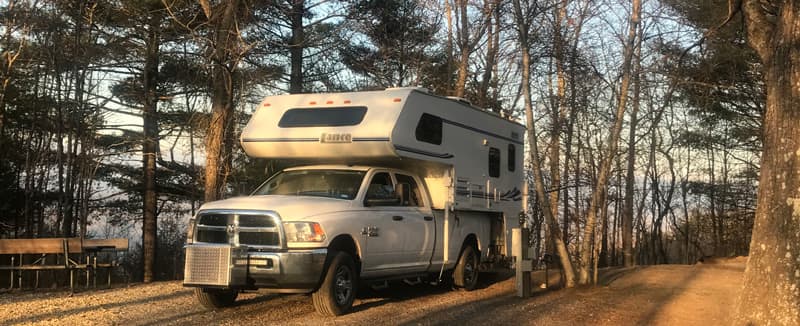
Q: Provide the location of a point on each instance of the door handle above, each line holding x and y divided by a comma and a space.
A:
397, 218
429, 218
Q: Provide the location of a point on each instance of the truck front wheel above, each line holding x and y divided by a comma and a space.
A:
338, 290
213, 299
465, 275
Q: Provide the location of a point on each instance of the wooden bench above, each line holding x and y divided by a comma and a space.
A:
72, 254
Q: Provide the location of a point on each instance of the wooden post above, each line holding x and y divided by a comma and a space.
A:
11, 281
19, 273
94, 271
87, 271
67, 267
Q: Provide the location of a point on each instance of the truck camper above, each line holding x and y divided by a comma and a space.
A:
394, 184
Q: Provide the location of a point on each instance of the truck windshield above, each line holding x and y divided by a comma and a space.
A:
341, 184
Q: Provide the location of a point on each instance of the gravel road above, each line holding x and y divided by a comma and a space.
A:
653, 295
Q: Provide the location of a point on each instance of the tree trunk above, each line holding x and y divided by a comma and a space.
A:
558, 115
627, 217
221, 102
603, 259
493, 31
297, 46
463, 47
448, 14
149, 150
771, 291
627, 211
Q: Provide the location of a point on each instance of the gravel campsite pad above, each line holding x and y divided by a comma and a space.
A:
653, 295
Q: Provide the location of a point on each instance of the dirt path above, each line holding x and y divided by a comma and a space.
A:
654, 295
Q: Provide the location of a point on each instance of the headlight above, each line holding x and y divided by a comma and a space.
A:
190, 231
303, 232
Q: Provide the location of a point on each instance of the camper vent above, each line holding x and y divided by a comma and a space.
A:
418, 89
460, 99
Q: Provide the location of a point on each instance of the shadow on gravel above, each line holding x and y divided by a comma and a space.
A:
175, 318
610, 275
731, 267
577, 306
27, 295
649, 318
399, 291
74, 311
260, 298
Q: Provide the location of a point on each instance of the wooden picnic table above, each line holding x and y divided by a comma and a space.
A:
72, 254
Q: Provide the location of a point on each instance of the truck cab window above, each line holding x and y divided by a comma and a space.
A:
409, 195
339, 184
380, 191
494, 162
429, 129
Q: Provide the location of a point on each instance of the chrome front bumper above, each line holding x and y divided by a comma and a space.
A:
223, 266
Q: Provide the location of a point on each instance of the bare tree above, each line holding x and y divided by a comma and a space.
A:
613, 139
522, 18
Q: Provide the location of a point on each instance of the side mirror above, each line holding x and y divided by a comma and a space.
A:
403, 190
241, 189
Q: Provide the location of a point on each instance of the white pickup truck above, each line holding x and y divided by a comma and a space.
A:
391, 204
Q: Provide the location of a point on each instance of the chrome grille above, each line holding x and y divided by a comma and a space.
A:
250, 228
256, 221
207, 265
212, 236
258, 238
213, 219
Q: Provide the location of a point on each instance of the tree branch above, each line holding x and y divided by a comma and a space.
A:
759, 28
734, 7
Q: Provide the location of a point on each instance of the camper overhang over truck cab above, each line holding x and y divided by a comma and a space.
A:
397, 184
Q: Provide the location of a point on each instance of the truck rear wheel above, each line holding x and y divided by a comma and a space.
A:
465, 275
213, 299
338, 290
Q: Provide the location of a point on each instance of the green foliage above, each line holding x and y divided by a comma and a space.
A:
720, 82
394, 44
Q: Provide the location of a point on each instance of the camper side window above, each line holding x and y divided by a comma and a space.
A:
512, 158
429, 129
322, 117
494, 162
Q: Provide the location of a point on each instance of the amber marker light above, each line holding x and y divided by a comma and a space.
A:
346, 101
312, 103
397, 100
329, 102
318, 230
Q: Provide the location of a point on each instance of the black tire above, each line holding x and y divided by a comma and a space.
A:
465, 276
338, 290
215, 299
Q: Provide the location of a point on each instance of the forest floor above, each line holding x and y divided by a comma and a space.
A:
702, 294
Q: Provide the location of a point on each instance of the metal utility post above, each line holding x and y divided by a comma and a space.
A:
519, 249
